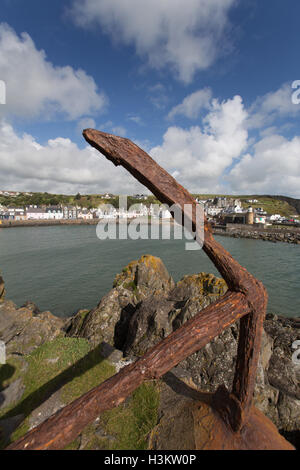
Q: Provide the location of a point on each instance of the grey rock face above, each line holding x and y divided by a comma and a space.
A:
277, 390
140, 279
283, 375
46, 409
215, 363
155, 317
149, 324
22, 330
12, 393
144, 307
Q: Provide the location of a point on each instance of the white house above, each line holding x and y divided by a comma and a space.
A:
85, 214
54, 213
36, 213
236, 209
70, 212
213, 210
275, 217
15, 213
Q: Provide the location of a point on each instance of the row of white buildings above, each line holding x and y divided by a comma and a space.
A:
137, 210
44, 213
74, 212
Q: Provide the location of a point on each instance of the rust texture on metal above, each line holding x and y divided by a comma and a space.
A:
246, 300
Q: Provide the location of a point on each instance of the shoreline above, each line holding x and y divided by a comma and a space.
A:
49, 223
284, 234
38, 342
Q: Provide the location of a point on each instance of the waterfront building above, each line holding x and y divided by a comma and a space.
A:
70, 212
36, 213
54, 213
85, 214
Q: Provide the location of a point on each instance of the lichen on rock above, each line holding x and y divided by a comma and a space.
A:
52, 361
138, 280
155, 317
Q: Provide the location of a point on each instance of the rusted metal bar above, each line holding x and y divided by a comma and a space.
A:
246, 297
124, 152
64, 426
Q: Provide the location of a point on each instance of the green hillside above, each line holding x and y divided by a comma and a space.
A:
282, 205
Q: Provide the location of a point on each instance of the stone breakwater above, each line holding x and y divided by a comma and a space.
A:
288, 235
144, 306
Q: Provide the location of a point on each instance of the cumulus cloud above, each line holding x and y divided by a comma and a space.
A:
185, 36
192, 104
112, 128
158, 96
37, 88
271, 106
85, 123
216, 155
272, 168
59, 166
198, 156
136, 119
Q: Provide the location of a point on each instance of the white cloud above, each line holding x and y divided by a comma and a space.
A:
158, 95
85, 123
273, 168
187, 36
136, 119
199, 156
37, 88
276, 104
209, 157
192, 104
119, 130
59, 166
112, 128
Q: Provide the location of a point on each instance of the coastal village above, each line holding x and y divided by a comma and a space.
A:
104, 210
149, 229
220, 211
223, 211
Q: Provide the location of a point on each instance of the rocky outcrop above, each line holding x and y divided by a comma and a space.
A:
277, 386
188, 421
283, 374
144, 307
139, 280
155, 317
145, 323
22, 329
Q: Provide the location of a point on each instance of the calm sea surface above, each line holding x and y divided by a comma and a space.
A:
63, 269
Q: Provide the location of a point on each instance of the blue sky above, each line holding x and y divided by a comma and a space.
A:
203, 85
